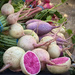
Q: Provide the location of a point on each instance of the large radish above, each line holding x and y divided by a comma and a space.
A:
16, 30
43, 56
7, 9
11, 58
30, 64
64, 62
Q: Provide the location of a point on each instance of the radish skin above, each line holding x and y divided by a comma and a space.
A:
11, 58
16, 30
7, 9
64, 67
43, 56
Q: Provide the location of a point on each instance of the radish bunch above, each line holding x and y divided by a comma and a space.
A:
39, 46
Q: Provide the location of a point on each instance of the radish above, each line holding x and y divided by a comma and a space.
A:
16, 30
28, 42
41, 27
32, 33
30, 64
43, 56
7, 9
61, 31
13, 18
54, 50
11, 58
64, 62
45, 39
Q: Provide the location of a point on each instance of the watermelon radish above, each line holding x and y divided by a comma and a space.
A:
64, 63
11, 58
30, 64
43, 56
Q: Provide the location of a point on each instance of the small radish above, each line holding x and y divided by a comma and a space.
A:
7, 9
54, 50
13, 18
41, 27
64, 62
16, 30
45, 39
30, 64
11, 58
43, 56
32, 33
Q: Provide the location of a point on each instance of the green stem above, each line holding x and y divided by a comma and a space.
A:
13, 40
6, 28
5, 23
2, 18
8, 43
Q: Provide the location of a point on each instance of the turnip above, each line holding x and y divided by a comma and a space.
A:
32, 33
41, 27
16, 30
64, 63
43, 56
45, 39
54, 50
28, 42
7, 9
11, 58
30, 64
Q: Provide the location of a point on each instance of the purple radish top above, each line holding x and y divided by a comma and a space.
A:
40, 27
32, 63
59, 60
32, 20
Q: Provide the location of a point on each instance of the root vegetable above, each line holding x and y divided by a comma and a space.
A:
11, 58
54, 50
41, 27
7, 9
45, 39
32, 33
13, 18
28, 42
61, 31
64, 63
43, 56
16, 30
30, 64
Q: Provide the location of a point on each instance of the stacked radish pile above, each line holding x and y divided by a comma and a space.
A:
39, 46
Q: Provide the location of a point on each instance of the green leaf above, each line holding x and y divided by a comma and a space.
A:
63, 1
52, 11
69, 31
49, 18
62, 20
58, 14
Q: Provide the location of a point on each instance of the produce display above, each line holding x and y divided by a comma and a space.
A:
32, 38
